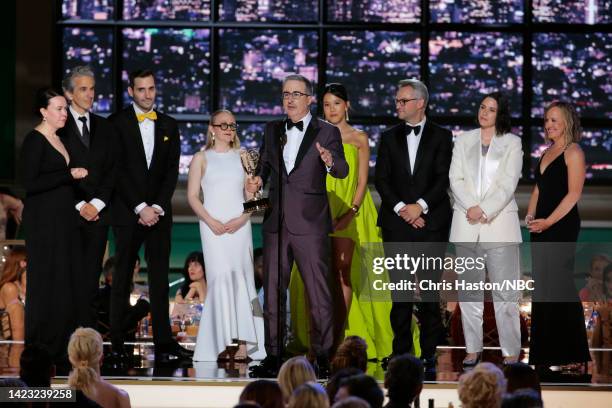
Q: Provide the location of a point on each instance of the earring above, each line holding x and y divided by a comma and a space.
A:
213, 139
346, 115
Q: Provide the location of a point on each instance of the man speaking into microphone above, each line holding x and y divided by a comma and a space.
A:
311, 149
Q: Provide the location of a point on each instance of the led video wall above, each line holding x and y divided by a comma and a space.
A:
233, 54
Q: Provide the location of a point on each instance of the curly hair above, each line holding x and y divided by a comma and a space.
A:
353, 352
483, 387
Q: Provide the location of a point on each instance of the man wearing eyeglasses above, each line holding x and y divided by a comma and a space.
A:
148, 158
310, 150
412, 179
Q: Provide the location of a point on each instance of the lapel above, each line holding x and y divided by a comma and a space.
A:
93, 123
472, 159
74, 133
424, 144
311, 133
134, 131
159, 135
402, 144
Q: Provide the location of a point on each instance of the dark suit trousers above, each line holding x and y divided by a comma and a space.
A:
156, 239
428, 311
311, 253
93, 245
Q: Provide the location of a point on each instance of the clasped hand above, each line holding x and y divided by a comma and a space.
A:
233, 225
149, 216
78, 173
411, 213
89, 212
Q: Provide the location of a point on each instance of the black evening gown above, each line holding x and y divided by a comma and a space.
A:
50, 222
558, 334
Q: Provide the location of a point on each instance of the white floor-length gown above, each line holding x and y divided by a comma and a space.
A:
231, 309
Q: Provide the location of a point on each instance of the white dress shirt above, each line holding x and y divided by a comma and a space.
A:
96, 202
295, 137
413, 142
147, 133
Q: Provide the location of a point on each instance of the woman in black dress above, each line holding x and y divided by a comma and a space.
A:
558, 334
50, 221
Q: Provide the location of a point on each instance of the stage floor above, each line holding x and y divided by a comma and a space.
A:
448, 367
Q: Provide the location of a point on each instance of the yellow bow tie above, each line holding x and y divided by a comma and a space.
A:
150, 115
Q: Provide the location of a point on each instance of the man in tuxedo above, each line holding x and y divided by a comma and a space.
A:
309, 150
149, 149
412, 180
89, 139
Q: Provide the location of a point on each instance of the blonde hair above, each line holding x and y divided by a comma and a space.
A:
293, 373
84, 353
572, 132
309, 394
210, 141
483, 387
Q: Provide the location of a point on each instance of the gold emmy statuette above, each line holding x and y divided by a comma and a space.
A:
250, 159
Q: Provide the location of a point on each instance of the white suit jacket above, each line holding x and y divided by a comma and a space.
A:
504, 162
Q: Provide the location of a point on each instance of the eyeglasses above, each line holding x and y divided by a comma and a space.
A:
225, 126
293, 95
402, 102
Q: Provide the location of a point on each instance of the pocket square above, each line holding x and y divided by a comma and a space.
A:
166, 138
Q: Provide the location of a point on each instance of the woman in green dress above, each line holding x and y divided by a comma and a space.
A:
354, 219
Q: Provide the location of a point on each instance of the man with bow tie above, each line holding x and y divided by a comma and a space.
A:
89, 139
310, 149
412, 179
148, 159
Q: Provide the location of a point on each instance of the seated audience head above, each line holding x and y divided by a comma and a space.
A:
108, 270
193, 270
351, 402
362, 386
564, 114
334, 382
36, 367
247, 404
525, 398
404, 379
482, 387
266, 393
14, 267
309, 395
293, 373
222, 128
494, 112
520, 375
352, 352
85, 355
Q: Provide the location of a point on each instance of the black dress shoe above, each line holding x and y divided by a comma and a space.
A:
268, 368
171, 351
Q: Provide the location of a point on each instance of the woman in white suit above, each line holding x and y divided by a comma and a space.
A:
485, 170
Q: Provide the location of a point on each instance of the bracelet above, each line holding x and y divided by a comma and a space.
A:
355, 208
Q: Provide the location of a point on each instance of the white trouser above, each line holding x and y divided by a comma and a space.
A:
502, 263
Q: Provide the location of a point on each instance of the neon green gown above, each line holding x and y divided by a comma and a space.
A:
366, 319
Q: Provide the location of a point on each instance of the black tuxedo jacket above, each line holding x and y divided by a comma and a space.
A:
395, 182
98, 159
135, 182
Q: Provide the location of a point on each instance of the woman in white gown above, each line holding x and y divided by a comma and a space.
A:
231, 327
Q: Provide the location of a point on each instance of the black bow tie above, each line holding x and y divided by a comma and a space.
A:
415, 129
290, 124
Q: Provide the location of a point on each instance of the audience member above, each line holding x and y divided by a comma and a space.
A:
593, 290
482, 387
35, 366
351, 402
521, 375
194, 285
266, 393
362, 386
334, 382
12, 295
352, 352
133, 313
403, 380
293, 373
309, 395
525, 398
85, 355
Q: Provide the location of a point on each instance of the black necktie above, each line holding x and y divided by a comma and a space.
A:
415, 129
290, 124
85, 131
